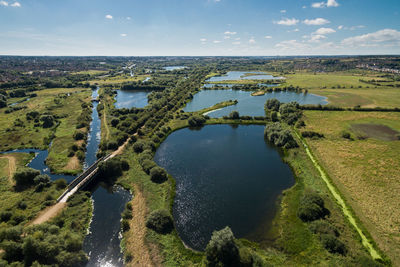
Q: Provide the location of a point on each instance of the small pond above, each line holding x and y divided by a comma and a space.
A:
248, 105
225, 176
131, 99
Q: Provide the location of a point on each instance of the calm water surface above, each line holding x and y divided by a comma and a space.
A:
248, 105
239, 75
224, 176
131, 99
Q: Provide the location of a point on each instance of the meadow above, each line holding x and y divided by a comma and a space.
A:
364, 169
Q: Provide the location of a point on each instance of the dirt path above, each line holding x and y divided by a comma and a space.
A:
346, 210
48, 213
135, 241
11, 167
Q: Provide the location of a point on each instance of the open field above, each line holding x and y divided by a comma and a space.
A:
16, 131
365, 171
119, 79
346, 90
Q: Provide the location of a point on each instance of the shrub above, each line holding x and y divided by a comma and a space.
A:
112, 145
222, 250
272, 104
160, 221
158, 175
25, 177
323, 227
332, 244
61, 183
234, 115
138, 147
279, 136
47, 120
196, 121
311, 207
5, 216
125, 225
110, 168
290, 112
114, 122
274, 116
79, 135
147, 165
346, 135
311, 134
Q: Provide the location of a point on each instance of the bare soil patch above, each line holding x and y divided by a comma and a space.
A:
377, 131
49, 213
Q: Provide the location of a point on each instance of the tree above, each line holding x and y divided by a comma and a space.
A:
234, 115
272, 104
196, 121
311, 207
160, 221
47, 120
79, 135
158, 175
110, 168
222, 249
25, 177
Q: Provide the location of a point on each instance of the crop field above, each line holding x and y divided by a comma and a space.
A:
364, 167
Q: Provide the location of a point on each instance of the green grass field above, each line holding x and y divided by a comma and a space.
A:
119, 79
364, 170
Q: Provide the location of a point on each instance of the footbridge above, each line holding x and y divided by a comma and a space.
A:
83, 179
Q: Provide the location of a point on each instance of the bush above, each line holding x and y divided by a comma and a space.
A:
79, 135
160, 221
47, 120
311, 207
279, 136
139, 146
25, 177
158, 175
346, 135
234, 115
60, 184
323, 227
290, 112
332, 244
311, 134
125, 225
110, 168
196, 121
147, 165
272, 104
114, 122
5, 216
222, 249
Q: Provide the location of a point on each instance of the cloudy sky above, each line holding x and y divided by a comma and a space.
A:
199, 27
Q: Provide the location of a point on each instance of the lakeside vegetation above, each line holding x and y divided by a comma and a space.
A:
309, 227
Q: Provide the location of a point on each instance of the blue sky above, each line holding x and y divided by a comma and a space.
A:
199, 27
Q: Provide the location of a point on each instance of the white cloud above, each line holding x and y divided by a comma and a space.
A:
268, 37
304, 7
388, 37
318, 5
216, 42
315, 38
227, 37
203, 40
3, 3
329, 3
237, 39
109, 17
356, 27
323, 31
229, 33
236, 43
128, 18
124, 34
332, 3
291, 45
340, 27
287, 22
283, 11
252, 41
317, 21
16, 4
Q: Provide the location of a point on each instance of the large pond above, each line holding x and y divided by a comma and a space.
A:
225, 176
248, 105
131, 99
174, 67
243, 75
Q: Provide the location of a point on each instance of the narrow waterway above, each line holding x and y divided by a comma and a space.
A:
102, 244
